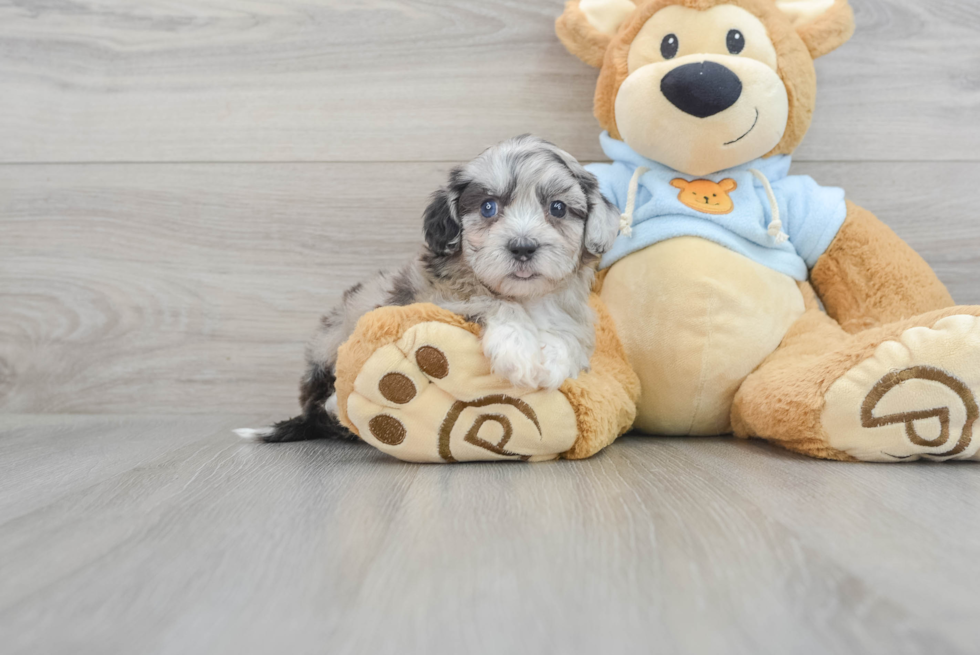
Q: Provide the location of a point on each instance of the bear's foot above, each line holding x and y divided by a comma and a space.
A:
430, 397
915, 398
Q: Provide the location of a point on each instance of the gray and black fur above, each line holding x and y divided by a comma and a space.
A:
524, 273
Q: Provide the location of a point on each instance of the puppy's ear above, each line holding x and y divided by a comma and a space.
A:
440, 223
602, 223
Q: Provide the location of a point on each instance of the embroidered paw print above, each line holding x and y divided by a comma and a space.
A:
913, 420
706, 196
915, 397
430, 397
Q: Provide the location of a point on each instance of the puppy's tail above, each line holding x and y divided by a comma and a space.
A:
316, 422
305, 427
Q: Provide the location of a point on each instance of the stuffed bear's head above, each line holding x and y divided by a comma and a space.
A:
704, 85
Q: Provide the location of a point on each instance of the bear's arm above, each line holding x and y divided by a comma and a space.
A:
869, 276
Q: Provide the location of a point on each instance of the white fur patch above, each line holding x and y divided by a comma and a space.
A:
252, 434
541, 344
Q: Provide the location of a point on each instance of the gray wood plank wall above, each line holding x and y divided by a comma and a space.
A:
185, 186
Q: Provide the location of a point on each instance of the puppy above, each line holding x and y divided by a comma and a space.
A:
511, 243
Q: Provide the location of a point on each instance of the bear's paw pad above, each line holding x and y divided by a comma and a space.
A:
915, 398
431, 397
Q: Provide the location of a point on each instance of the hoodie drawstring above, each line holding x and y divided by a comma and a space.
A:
626, 219
775, 225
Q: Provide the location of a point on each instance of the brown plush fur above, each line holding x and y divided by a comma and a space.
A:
580, 38
829, 32
603, 399
784, 398
870, 277
780, 399
600, 279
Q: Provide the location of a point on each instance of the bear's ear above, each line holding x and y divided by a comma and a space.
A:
679, 183
824, 25
587, 27
728, 184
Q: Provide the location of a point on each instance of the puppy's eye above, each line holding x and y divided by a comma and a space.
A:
736, 42
488, 209
668, 47
558, 209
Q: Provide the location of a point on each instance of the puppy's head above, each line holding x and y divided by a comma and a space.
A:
524, 216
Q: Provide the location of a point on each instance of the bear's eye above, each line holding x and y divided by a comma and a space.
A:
488, 209
558, 209
736, 42
668, 47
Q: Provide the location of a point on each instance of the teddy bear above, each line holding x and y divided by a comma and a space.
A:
717, 298
737, 299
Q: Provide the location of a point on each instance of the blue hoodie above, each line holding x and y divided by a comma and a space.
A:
811, 214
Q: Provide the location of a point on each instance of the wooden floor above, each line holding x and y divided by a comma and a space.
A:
162, 534
186, 184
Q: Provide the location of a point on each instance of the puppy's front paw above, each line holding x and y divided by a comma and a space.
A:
514, 354
554, 368
560, 361
521, 369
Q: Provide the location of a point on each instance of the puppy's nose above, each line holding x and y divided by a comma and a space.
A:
701, 90
522, 249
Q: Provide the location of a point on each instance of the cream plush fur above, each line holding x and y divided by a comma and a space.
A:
651, 125
725, 315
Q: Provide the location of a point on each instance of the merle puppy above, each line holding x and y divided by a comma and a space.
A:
511, 243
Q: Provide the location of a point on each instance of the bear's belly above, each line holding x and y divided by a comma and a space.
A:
696, 318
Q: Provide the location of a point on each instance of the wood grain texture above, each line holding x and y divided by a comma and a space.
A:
412, 80
179, 288
214, 546
191, 288
47, 458
171, 283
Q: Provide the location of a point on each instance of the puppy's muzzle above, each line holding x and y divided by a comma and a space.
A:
701, 89
522, 249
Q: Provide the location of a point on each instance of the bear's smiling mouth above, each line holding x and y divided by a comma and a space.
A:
756, 122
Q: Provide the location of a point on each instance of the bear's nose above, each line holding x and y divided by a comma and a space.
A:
703, 89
